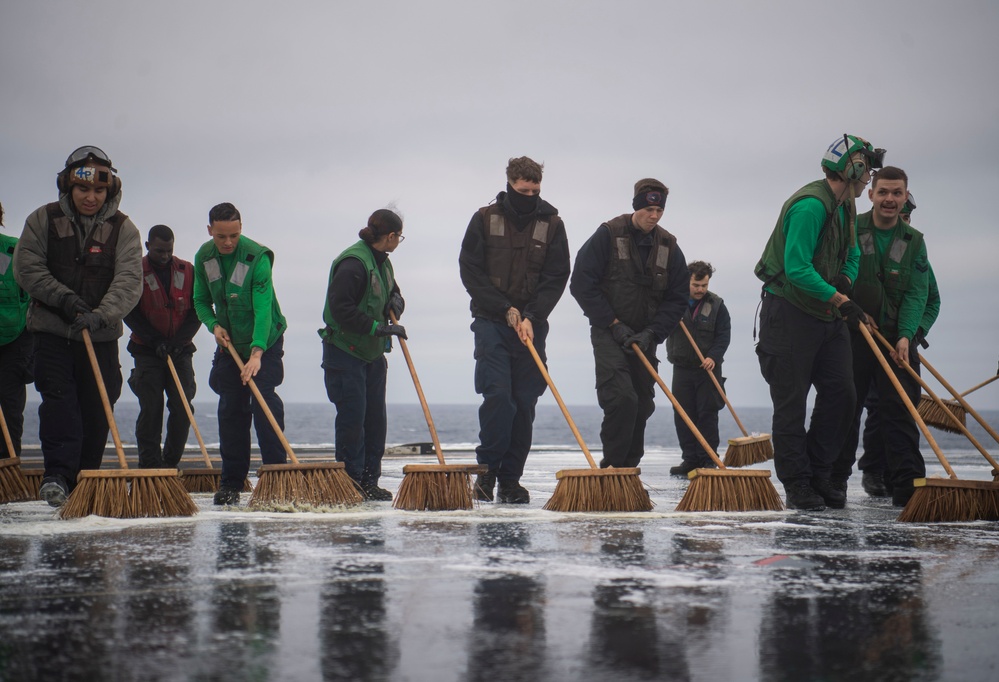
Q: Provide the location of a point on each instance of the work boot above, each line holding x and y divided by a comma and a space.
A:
684, 468
874, 484
900, 495
226, 496
801, 496
376, 494
832, 492
54, 490
484, 486
511, 492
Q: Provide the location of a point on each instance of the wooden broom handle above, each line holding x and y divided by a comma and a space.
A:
190, 412
905, 399
714, 379
981, 385
958, 398
263, 406
108, 412
953, 418
419, 392
6, 436
565, 412
676, 405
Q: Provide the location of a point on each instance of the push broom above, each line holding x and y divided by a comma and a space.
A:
747, 449
13, 484
933, 412
720, 489
964, 403
939, 499
308, 487
433, 487
124, 493
205, 480
955, 423
592, 490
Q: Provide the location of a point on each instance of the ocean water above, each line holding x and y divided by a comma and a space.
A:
309, 426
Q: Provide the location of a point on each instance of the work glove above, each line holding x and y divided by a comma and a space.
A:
853, 315
621, 333
162, 351
646, 340
176, 351
397, 304
90, 320
919, 339
391, 330
73, 305
843, 284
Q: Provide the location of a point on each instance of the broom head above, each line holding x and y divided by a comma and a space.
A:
206, 481
948, 499
128, 494
934, 415
748, 450
599, 490
34, 478
13, 485
304, 487
727, 490
437, 487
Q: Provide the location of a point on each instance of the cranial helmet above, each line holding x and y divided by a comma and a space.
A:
852, 156
88, 166
909, 206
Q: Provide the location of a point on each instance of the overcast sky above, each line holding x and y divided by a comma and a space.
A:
310, 115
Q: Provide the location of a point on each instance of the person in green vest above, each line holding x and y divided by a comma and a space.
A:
806, 268
362, 291
873, 463
234, 298
892, 285
15, 347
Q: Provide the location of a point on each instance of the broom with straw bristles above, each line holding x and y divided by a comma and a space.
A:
615, 489
720, 489
13, 484
205, 480
964, 403
933, 412
287, 487
433, 487
940, 499
956, 424
124, 493
747, 449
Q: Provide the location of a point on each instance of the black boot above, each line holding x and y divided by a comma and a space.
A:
373, 492
833, 493
485, 484
226, 497
801, 496
874, 484
511, 492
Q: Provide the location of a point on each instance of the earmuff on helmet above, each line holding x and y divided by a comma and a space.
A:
88, 166
851, 156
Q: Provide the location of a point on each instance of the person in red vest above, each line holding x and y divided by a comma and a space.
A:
163, 325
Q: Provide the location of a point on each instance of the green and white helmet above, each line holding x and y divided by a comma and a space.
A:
840, 158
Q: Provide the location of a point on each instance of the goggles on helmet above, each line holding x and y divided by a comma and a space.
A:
83, 154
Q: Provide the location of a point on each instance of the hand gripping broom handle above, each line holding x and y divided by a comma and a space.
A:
190, 412
108, 412
6, 435
905, 399
714, 379
419, 392
565, 412
676, 405
264, 407
950, 415
958, 398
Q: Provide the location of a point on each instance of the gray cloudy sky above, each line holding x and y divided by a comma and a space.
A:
310, 115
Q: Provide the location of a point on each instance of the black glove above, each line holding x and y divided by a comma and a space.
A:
397, 304
646, 340
90, 320
853, 315
391, 330
73, 305
919, 339
621, 333
843, 284
176, 351
162, 351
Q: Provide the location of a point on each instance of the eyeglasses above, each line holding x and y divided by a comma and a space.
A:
83, 153
401, 237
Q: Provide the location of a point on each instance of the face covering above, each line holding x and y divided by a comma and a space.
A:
521, 203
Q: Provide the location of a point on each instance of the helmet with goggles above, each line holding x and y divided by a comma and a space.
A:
851, 156
88, 166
